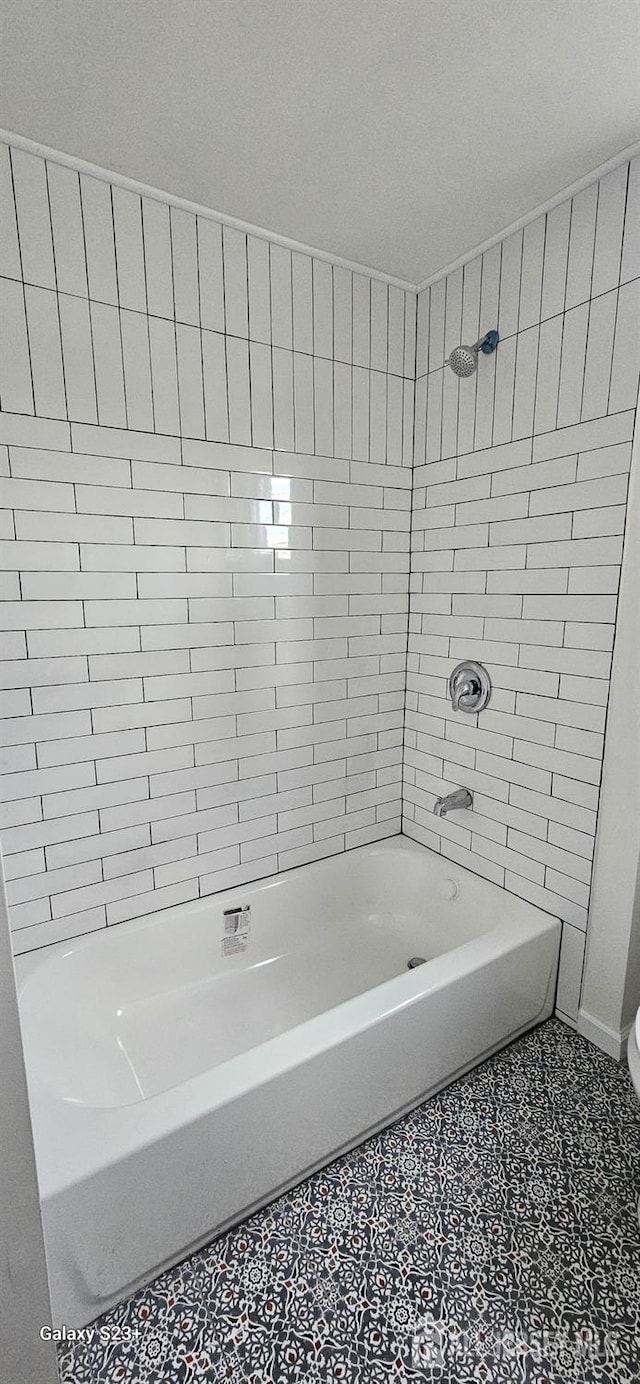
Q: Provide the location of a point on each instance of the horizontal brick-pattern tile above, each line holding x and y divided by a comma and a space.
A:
519, 502
206, 444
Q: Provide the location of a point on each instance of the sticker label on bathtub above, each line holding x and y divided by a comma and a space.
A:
236, 926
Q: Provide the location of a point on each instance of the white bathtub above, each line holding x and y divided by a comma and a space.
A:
174, 1091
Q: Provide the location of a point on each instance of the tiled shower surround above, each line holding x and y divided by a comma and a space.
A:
206, 462
207, 474
520, 486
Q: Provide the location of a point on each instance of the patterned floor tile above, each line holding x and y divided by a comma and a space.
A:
490, 1237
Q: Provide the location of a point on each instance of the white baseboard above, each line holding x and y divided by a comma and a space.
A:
612, 1042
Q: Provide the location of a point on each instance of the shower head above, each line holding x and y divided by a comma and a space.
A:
464, 359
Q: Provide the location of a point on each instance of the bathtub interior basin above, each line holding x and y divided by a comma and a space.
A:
146, 1006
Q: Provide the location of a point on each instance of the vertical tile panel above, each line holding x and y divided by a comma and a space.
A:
556, 252
361, 320
395, 363
631, 239
467, 395
626, 350
164, 376
470, 333
9, 248
422, 333
234, 252
77, 355
490, 289
378, 417
261, 394
421, 409
503, 404
434, 416
259, 289
214, 372
548, 381
46, 353
574, 342
97, 216
190, 385
303, 402
602, 321
607, 255
510, 284
281, 296
302, 303
360, 413
453, 312
379, 325
137, 370
436, 325
342, 409
451, 386
581, 243
107, 351
34, 222
525, 382
16, 395
410, 316
210, 273
127, 219
342, 314
185, 267
471, 280
323, 405
531, 281
283, 399
408, 400
322, 275
68, 237
485, 395
157, 257
394, 420
238, 390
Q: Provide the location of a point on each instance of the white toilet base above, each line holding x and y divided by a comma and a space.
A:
633, 1056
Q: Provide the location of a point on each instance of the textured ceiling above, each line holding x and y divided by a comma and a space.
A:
398, 133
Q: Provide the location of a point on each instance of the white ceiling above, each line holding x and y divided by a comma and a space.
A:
397, 133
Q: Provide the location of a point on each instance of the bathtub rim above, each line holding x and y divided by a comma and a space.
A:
28, 962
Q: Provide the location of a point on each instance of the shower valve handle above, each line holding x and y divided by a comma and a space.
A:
469, 687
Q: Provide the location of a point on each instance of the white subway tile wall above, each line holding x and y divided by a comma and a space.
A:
206, 443
519, 491
205, 462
